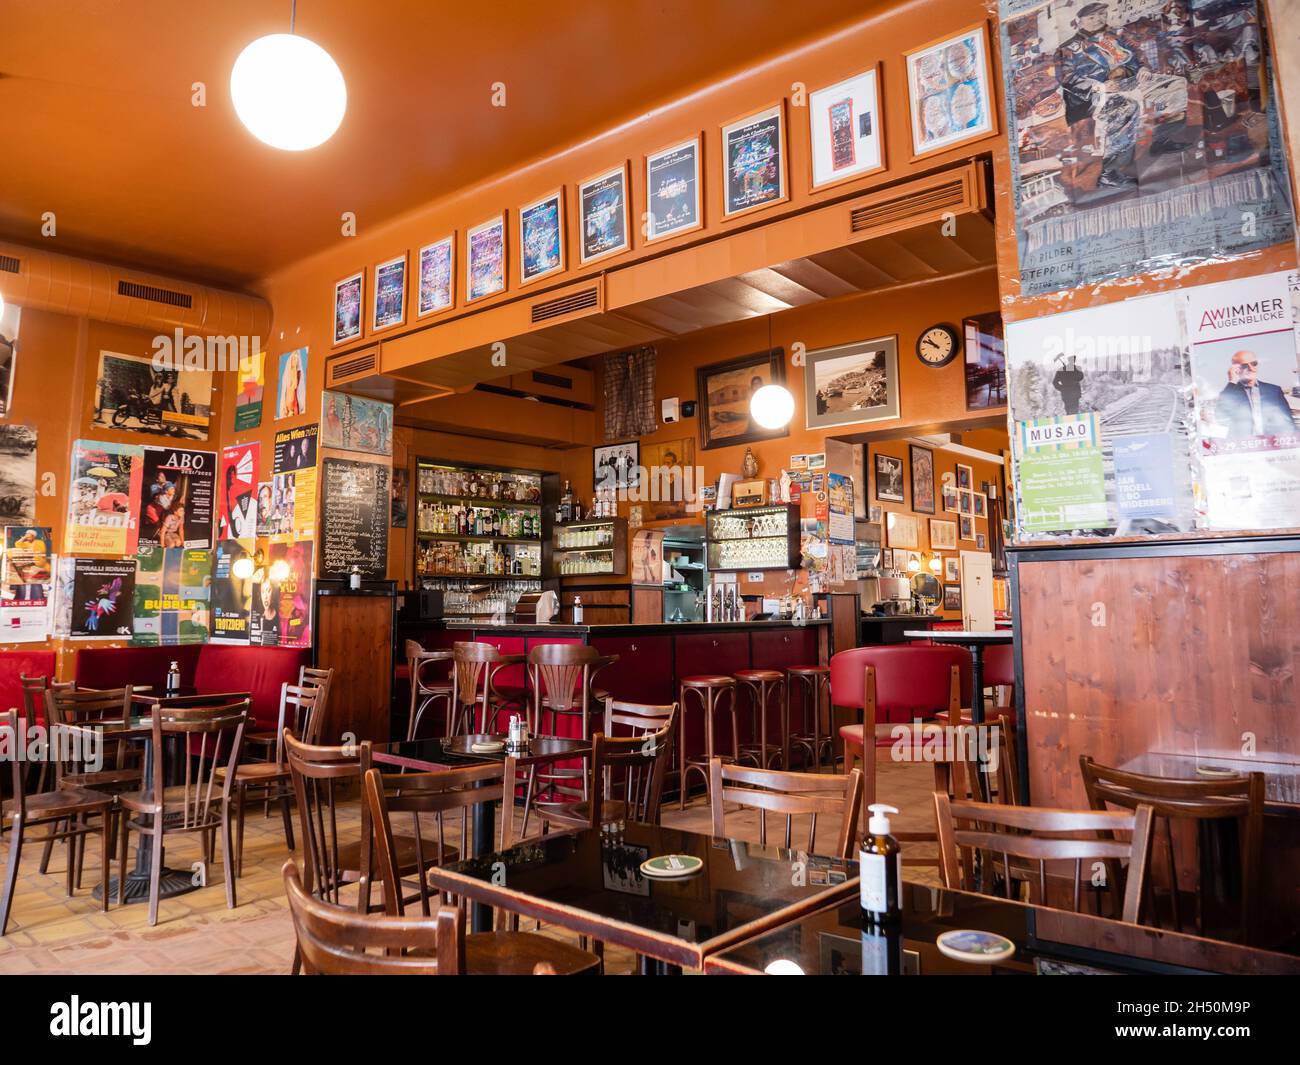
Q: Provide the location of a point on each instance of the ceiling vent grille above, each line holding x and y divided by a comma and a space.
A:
552, 379
155, 294
908, 209
350, 367
9, 264
583, 300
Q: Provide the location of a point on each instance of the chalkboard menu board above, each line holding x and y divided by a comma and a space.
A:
354, 518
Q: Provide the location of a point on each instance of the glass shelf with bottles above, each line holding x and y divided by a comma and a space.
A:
437, 518
470, 597
455, 558
592, 546
755, 538
468, 484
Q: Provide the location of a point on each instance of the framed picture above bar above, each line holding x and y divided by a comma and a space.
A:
388, 302
889, 479
541, 237
674, 203
851, 383
436, 277
724, 390
349, 297
904, 530
754, 163
485, 259
844, 129
949, 90
922, 460
943, 535
603, 215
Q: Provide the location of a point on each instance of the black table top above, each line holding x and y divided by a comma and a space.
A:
590, 882
1048, 942
435, 752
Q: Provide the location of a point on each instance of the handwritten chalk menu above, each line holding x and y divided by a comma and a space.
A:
354, 518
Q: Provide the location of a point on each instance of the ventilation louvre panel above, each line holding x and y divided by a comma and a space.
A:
583, 300
350, 367
155, 294
907, 209
10, 264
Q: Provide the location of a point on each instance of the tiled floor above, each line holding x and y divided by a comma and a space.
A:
196, 933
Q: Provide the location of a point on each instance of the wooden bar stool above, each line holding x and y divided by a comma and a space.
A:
708, 688
811, 682
760, 684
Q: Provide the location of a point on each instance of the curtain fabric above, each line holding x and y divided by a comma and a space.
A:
630, 394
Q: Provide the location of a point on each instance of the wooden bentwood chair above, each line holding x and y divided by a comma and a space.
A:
426, 687
498, 953
1038, 835
477, 699
791, 794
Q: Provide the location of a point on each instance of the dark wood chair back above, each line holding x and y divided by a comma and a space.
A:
631, 769
420, 665
34, 689
1041, 835
561, 676
79, 706
1239, 796
338, 942
320, 776
209, 737
10, 742
302, 713
791, 794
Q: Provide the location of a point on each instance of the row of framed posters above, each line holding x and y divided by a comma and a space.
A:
1168, 413
950, 103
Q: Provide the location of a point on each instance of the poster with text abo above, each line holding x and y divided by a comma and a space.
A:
1245, 373
104, 500
176, 498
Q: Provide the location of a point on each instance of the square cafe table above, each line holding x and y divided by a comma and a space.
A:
589, 882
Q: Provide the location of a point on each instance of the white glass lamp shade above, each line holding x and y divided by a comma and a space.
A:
243, 568
772, 406
913, 565
936, 565
288, 91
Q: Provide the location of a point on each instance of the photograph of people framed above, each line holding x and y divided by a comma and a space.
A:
485, 259
886, 560
541, 237
889, 479
943, 535
349, 295
851, 383
436, 280
673, 194
754, 163
844, 129
965, 476
922, 461
603, 215
949, 91
616, 466
952, 597
951, 499
986, 361
724, 390
389, 298
952, 569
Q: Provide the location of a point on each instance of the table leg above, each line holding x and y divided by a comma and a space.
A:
483, 828
171, 882
647, 966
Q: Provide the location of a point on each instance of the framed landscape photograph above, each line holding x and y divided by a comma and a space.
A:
388, 302
904, 530
952, 569
541, 237
437, 272
616, 466
943, 535
485, 259
922, 459
949, 91
986, 361
674, 203
952, 597
724, 390
603, 215
349, 298
844, 129
753, 161
851, 383
889, 479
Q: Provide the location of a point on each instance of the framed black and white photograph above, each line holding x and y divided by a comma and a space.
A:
943, 535
616, 466
603, 215
952, 597
851, 383
889, 479
922, 460
844, 129
754, 163
886, 559
674, 204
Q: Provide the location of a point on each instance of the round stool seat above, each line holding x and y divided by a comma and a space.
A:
758, 674
809, 671
708, 680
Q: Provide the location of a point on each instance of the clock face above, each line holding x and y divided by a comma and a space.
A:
937, 346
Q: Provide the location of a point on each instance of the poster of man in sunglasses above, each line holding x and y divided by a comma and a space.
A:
1249, 406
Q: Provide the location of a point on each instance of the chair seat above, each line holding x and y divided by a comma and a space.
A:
516, 954
509, 693
886, 736
174, 799
770, 675
262, 772
349, 858
105, 780
708, 680
434, 687
59, 803
578, 814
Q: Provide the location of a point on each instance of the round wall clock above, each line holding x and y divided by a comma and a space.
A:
938, 345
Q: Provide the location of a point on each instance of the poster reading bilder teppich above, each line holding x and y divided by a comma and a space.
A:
1143, 135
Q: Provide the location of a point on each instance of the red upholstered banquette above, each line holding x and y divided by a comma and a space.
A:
15, 664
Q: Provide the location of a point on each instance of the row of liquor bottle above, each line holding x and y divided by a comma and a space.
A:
604, 504
441, 557
457, 520
479, 484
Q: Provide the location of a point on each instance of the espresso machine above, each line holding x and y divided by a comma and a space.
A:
895, 596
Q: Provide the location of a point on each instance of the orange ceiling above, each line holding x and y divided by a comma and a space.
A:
102, 132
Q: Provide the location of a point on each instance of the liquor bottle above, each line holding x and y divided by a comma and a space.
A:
566, 503
174, 678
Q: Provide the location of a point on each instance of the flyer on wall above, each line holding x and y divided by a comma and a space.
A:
172, 588
1059, 468
231, 595
176, 498
27, 580
102, 598
1246, 389
237, 505
104, 503
281, 596
293, 481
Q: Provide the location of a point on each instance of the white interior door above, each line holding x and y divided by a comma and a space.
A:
977, 591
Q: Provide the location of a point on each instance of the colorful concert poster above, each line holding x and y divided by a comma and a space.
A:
541, 238
293, 482
281, 599
673, 184
104, 503
602, 215
485, 259
754, 152
172, 589
354, 423
237, 503
390, 293
102, 598
252, 389
436, 264
232, 590
348, 294
176, 498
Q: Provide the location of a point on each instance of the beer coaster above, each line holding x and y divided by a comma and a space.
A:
672, 866
966, 944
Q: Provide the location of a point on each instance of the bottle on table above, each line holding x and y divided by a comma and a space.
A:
174, 678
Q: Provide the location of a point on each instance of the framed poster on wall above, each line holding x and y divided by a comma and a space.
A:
844, 129
754, 163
